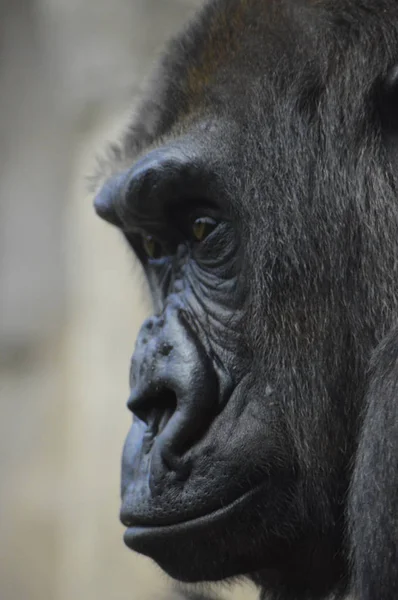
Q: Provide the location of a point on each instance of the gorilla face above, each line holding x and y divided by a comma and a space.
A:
201, 454
211, 466
257, 188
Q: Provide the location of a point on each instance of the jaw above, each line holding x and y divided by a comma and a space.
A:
179, 548
303, 565
260, 534
231, 503
241, 504
240, 527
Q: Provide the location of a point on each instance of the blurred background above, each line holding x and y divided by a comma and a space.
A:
70, 297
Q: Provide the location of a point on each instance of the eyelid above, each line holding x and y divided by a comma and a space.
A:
184, 218
175, 230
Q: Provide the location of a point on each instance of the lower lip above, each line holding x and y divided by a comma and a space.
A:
146, 539
136, 533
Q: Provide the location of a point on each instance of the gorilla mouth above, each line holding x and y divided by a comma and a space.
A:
137, 534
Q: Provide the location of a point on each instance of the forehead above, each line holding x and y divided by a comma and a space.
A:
234, 44
230, 47
220, 38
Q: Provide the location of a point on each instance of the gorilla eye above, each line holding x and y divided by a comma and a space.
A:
203, 227
152, 247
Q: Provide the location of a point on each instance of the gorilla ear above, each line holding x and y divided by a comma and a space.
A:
388, 102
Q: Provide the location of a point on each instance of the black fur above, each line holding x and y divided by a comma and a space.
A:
292, 104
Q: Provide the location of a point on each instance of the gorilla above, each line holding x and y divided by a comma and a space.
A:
258, 186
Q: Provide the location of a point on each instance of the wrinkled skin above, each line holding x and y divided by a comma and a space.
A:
257, 187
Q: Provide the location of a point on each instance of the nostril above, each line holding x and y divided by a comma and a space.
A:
149, 325
165, 349
154, 409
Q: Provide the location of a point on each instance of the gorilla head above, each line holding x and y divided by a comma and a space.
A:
258, 187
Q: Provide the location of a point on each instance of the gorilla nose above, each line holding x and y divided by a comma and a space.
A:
174, 418
174, 387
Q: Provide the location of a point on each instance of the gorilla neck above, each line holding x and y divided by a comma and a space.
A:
310, 571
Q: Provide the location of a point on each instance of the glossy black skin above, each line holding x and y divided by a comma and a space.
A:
265, 435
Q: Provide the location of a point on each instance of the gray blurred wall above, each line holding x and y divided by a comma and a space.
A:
70, 297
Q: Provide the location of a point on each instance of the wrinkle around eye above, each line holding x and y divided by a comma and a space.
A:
218, 250
222, 330
222, 310
160, 275
213, 283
